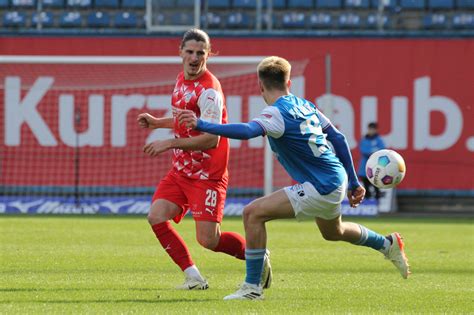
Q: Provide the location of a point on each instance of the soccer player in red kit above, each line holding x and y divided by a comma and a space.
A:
198, 178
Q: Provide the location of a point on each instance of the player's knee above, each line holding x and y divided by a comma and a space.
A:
155, 218
250, 213
208, 241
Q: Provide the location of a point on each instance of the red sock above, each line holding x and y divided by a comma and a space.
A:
232, 244
173, 244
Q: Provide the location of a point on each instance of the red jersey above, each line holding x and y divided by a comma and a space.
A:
203, 96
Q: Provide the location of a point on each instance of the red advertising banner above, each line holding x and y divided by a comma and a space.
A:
53, 115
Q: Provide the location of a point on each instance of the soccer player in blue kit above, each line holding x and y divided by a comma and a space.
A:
298, 134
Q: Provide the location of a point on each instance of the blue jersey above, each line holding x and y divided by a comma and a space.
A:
295, 129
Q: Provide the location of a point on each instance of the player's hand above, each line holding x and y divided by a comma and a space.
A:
188, 118
146, 121
356, 196
156, 147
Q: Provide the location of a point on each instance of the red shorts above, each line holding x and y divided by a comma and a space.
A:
205, 198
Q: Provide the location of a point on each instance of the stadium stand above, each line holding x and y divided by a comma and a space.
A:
289, 15
125, 19
372, 21
435, 21
133, 4
294, 20
412, 4
98, 19
440, 4
349, 20
463, 21
14, 19
465, 4
45, 19
300, 4
218, 4
53, 3
114, 4
320, 20
70, 19
238, 20
356, 4
390, 4
329, 4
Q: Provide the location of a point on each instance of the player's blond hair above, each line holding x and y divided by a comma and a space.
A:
274, 73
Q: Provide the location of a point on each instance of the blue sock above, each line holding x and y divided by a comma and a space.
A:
254, 265
371, 239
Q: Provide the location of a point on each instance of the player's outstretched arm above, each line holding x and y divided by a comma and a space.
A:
148, 121
241, 131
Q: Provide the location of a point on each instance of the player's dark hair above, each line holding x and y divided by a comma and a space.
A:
373, 125
197, 35
274, 73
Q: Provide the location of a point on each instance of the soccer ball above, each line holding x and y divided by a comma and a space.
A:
385, 169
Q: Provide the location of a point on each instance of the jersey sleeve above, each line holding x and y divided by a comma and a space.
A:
271, 121
325, 122
211, 105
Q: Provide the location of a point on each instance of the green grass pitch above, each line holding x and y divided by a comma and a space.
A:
103, 265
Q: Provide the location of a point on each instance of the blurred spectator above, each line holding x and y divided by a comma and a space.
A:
369, 144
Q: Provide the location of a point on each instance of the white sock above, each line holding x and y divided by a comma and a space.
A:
193, 272
385, 247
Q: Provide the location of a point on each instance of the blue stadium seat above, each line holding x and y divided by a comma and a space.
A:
357, 4
391, 4
79, 3
463, 21
166, 4
349, 20
412, 4
53, 3
182, 18
320, 20
293, 20
106, 4
70, 19
98, 19
133, 4
214, 20
296, 4
435, 21
465, 4
238, 20
372, 21
14, 19
440, 4
184, 3
277, 4
328, 4
218, 4
245, 4
23, 3
46, 18
3, 3
267, 18
125, 19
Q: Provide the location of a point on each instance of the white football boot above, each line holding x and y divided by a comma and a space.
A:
267, 275
191, 283
247, 291
396, 254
